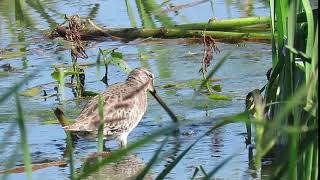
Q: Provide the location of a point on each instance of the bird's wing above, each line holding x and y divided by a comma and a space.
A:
117, 108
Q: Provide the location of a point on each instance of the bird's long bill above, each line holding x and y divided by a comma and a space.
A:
164, 105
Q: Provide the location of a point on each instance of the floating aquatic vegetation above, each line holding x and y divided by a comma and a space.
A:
215, 96
9, 55
112, 57
31, 92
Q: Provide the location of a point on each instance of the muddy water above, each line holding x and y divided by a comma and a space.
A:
172, 61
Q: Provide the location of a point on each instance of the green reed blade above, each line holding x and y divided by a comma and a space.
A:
70, 154
309, 139
315, 161
146, 19
101, 124
94, 11
195, 173
132, 19
23, 138
308, 163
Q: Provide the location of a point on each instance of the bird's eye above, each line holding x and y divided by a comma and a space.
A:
150, 75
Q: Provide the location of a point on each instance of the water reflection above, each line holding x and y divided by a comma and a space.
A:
246, 7
217, 143
127, 168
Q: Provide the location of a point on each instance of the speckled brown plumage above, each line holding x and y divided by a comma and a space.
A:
124, 106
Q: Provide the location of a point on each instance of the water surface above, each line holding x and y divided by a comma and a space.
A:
22, 27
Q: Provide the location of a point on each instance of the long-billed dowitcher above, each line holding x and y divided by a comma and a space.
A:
124, 106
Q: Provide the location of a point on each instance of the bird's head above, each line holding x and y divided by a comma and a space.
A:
142, 78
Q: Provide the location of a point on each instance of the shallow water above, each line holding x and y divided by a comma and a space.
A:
172, 61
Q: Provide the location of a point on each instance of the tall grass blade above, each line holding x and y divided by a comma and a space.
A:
70, 154
24, 141
195, 173
292, 103
146, 19
133, 23
310, 138
101, 124
199, 169
94, 11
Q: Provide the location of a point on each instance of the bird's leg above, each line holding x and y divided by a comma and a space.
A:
105, 149
123, 140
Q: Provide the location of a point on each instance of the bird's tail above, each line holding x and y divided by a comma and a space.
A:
75, 129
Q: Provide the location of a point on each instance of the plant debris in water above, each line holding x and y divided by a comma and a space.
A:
75, 25
210, 47
7, 67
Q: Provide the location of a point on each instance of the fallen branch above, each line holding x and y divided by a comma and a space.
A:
133, 33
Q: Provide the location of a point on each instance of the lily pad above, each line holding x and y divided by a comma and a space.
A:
171, 92
215, 96
169, 85
12, 55
3, 74
50, 121
145, 56
31, 92
122, 64
217, 88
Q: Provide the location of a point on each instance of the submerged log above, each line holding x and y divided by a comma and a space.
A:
133, 33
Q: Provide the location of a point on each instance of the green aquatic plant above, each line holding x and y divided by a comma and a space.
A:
289, 107
112, 57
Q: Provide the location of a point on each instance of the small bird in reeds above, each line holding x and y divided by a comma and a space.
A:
124, 105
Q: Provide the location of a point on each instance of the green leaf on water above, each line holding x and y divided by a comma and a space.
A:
217, 88
50, 121
3, 74
62, 42
12, 55
116, 54
145, 56
31, 92
56, 75
215, 96
122, 64
169, 85
89, 93
171, 92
